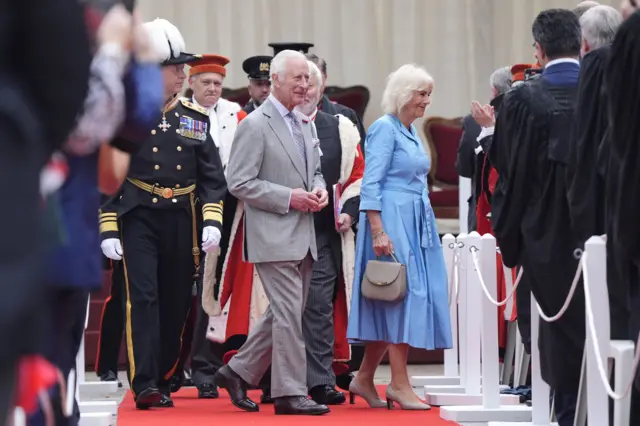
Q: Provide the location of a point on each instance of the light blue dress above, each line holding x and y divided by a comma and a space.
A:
394, 183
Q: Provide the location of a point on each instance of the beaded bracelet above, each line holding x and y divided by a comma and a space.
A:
379, 234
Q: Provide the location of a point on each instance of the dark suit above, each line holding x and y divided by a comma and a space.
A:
466, 163
318, 316
333, 108
250, 106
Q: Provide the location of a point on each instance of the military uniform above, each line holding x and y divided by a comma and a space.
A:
256, 68
176, 170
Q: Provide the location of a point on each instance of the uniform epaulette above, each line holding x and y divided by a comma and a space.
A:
187, 104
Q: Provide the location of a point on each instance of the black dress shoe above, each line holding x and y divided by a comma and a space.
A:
175, 383
165, 402
344, 380
265, 398
148, 398
227, 379
327, 395
187, 381
300, 405
207, 391
110, 376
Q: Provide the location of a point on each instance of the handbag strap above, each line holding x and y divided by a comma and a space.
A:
393, 256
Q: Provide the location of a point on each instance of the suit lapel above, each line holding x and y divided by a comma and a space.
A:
281, 129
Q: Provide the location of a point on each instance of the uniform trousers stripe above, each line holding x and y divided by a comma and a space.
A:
317, 321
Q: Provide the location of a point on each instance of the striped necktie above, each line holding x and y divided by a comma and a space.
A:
297, 137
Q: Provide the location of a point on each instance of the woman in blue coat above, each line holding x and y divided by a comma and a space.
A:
396, 217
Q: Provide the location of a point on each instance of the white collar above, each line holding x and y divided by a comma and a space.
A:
562, 60
281, 108
213, 108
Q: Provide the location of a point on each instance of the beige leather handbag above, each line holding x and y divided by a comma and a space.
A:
385, 281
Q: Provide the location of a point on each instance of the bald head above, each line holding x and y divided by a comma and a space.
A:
583, 6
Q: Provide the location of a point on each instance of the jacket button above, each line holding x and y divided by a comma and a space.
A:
153, 132
179, 148
179, 167
155, 149
154, 199
156, 167
224, 127
174, 200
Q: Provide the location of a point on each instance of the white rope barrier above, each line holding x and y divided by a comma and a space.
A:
596, 344
567, 302
581, 270
476, 262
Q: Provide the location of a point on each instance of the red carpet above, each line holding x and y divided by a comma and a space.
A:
191, 411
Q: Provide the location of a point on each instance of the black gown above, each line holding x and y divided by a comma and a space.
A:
530, 216
623, 173
586, 186
588, 161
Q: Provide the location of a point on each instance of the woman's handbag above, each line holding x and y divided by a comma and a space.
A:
385, 281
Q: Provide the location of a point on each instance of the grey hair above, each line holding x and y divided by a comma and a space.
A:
280, 61
400, 87
583, 6
314, 72
599, 25
501, 80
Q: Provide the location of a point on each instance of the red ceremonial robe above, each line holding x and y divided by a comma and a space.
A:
483, 221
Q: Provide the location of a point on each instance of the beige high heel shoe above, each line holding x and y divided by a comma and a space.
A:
371, 398
393, 396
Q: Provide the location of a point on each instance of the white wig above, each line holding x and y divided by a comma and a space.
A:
599, 25
315, 77
280, 61
165, 39
400, 87
314, 72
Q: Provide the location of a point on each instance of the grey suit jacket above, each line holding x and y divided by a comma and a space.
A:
264, 166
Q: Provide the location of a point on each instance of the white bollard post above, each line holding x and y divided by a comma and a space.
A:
490, 373
80, 363
473, 313
462, 308
622, 351
451, 377
539, 388
451, 355
482, 403
92, 412
596, 269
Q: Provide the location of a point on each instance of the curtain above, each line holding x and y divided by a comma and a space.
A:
460, 42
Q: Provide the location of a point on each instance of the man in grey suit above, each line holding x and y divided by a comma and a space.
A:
274, 167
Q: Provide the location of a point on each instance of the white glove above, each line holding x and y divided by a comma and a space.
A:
210, 238
112, 248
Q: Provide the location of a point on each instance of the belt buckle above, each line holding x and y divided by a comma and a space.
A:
167, 193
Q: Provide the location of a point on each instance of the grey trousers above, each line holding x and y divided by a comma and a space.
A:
317, 321
277, 338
